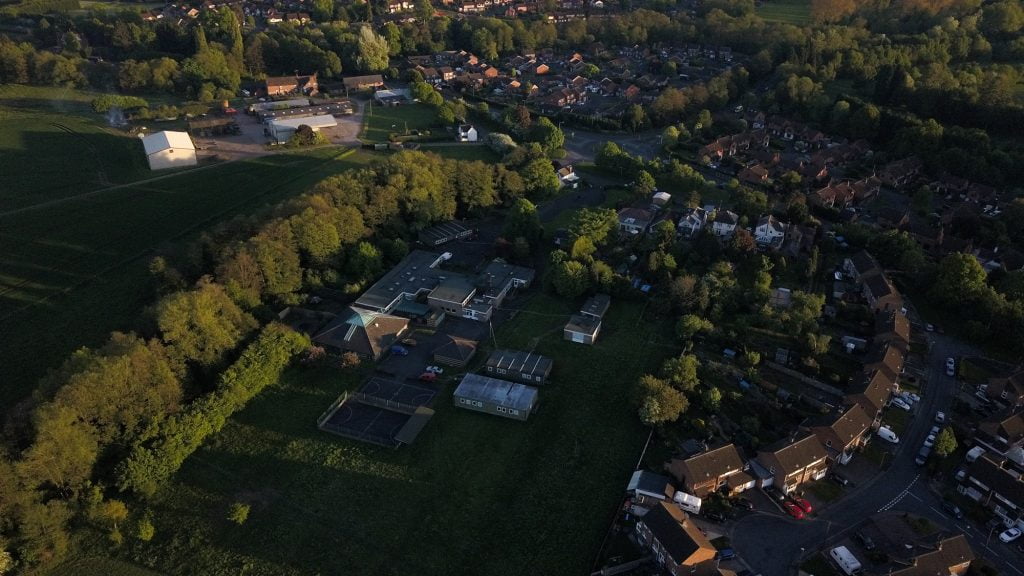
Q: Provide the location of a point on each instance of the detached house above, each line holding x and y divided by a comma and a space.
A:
792, 463
842, 434
725, 223
712, 471
634, 220
280, 85
770, 232
676, 543
692, 222
950, 556
1009, 391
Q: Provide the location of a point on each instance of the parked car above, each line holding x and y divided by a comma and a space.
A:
900, 403
435, 369
865, 540
802, 503
922, 455
716, 516
726, 554
839, 479
910, 396
952, 509
411, 342
793, 510
743, 503
399, 350
775, 493
950, 367
940, 417
1010, 535
428, 377
929, 327
885, 433
929, 441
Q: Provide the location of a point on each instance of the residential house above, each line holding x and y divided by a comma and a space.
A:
860, 264
298, 84
901, 173
756, 175
692, 222
648, 489
947, 556
872, 393
676, 543
368, 82
711, 471
724, 225
467, 133
881, 294
886, 358
368, 334
519, 365
568, 177
635, 221
770, 232
1003, 434
794, 462
843, 433
893, 328
997, 483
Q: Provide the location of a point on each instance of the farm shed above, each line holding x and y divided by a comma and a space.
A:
169, 149
494, 396
283, 128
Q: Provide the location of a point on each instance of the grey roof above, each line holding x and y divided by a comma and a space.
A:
583, 324
454, 289
597, 305
414, 274
520, 362
649, 482
863, 262
727, 217
444, 232
498, 392
879, 285
498, 273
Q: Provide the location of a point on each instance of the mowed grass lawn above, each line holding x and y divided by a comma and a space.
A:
73, 271
476, 493
53, 145
796, 12
382, 121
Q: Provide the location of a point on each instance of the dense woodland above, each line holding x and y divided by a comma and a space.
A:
936, 78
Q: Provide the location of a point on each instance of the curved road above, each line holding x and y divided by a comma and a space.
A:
773, 545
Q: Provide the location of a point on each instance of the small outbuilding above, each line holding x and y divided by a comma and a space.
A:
467, 133
494, 396
169, 149
582, 329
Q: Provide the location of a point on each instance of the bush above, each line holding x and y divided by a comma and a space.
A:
238, 513
107, 101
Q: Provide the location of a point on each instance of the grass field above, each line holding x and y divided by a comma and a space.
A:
476, 494
796, 12
463, 152
383, 121
75, 269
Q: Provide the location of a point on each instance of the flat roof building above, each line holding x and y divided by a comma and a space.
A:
444, 233
494, 396
519, 365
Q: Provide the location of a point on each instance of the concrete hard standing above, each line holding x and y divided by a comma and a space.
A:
169, 149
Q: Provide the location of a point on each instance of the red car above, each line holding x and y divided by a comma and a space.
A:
793, 510
803, 504
428, 377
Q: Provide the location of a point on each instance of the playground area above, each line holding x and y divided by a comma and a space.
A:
382, 412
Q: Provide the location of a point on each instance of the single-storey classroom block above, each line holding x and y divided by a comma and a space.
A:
518, 365
493, 396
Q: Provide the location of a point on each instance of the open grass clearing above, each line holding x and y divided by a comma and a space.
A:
382, 121
476, 494
73, 271
469, 152
796, 12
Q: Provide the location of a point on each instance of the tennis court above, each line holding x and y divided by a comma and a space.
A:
383, 412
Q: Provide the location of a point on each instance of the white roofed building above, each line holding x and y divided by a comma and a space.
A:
283, 128
169, 150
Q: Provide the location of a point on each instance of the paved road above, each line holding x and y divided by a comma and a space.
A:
582, 145
772, 544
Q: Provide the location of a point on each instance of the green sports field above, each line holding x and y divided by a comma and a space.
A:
383, 121
74, 247
796, 12
475, 494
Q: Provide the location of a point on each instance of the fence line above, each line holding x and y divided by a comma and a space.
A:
379, 402
331, 409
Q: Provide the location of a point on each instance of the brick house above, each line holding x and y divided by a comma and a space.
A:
872, 394
711, 471
794, 462
676, 543
842, 434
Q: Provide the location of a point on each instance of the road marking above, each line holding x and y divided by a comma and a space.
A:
900, 496
1015, 569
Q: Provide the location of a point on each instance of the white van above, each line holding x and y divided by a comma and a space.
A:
846, 561
886, 434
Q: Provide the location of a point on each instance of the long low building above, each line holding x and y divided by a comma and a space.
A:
282, 128
494, 396
522, 366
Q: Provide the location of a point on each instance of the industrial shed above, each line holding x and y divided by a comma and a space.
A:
519, 365
169, 149
494, 396
282, 128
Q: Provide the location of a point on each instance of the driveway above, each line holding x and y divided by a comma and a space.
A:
773, 545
